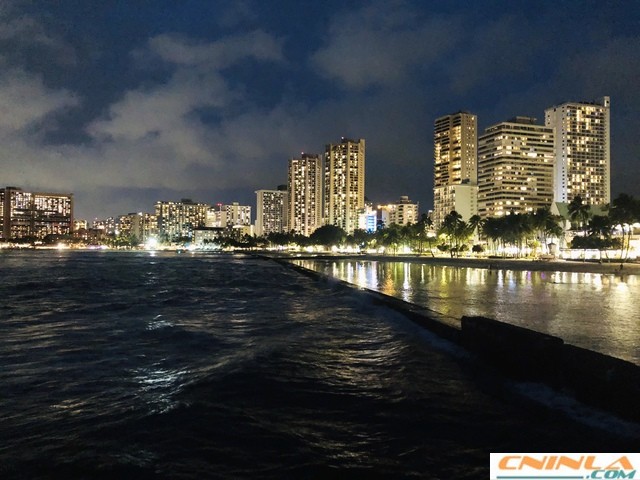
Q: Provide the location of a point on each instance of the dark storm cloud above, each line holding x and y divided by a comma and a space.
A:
211, 99
24, 39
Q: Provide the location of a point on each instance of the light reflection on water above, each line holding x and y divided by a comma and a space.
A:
592, 310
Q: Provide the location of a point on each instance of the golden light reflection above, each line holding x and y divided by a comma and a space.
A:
372, 275
406, 284
362, 275
350, 272
591, 310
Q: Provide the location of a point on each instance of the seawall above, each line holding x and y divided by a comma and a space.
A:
593, 378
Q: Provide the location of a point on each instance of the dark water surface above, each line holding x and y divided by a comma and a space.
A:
597, 311
180, 366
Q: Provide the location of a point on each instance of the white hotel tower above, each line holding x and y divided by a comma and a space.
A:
582, 151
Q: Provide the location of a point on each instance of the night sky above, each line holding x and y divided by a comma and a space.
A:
124, 103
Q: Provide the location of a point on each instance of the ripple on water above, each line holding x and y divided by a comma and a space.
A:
198, 366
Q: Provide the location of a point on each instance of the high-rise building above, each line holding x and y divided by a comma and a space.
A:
463, 199
515, 168
455, 141
237, 215
149, 227
271, 211
582, 151
128, 225
344, 180
35, 214
305, 193
403, 212
228, 215
107, 226
216, 217
139, 226
177, 220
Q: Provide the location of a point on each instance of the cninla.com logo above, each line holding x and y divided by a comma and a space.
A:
559, 466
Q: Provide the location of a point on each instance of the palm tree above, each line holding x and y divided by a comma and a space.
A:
420, 230
449, 226
475, 224
546, 224
492, 229
456, 230
406, 234
579, 213
517, 229
625, 211
600, 230
391, 237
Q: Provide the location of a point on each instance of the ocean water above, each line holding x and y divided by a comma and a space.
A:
596, 311
132, 365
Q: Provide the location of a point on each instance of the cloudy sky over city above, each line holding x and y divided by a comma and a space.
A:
127, 102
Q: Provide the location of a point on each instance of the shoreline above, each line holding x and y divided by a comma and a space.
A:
518, 353
571, 266
494, 263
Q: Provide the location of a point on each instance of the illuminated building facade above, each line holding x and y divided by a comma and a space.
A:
80, 225
34, 214
208, 235
455, 140
272, 211
515, 168
177, 220
215, 217
305, 194
403, 212
582, 151
140, 226
128, 225
107, 226
368, 219
236, 215
149, 226
463, 199
344, 180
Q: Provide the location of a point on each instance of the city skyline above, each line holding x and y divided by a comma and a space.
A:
126, 105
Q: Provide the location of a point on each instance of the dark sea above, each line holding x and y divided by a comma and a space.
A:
181, 366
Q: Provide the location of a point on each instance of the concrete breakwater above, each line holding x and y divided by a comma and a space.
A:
593, 378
